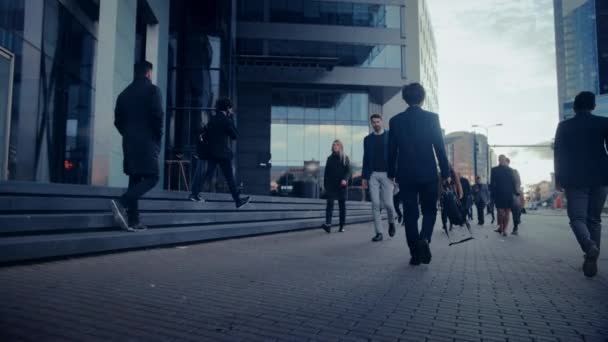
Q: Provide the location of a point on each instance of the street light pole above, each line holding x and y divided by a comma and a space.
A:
487, 129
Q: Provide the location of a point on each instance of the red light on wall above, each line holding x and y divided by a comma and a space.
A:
68, 165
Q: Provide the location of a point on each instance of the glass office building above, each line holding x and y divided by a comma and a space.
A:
581, 32
301, 72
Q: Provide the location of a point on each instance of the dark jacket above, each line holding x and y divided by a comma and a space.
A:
467, 199
503, 185
414, 139
335, 172
368, 156
481, 194
580, 151
220, 132
138, 116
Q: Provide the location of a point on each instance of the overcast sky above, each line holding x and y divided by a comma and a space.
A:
497, 65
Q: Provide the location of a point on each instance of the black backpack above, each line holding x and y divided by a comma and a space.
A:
202, 144
453, 208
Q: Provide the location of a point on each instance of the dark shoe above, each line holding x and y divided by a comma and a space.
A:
341, 230
391, 229
120, 215
243, 201
414, 261
504, 234
377, 238
139, 227
424, 252
196, 198
498, 230
590, 264
326, 227
514, 232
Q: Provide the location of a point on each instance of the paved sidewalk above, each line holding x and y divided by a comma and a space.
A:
310, 286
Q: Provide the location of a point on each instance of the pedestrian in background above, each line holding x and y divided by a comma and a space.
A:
335, 181
415, 146
375, 166
467, 199
503, 191
481, 196
219, 133
517, 200
581, 168
138, 117
457, 186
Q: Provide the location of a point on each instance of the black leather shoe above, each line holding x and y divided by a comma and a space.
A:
326, 227
341, 230
391, 229
590, 264
414, 261
424, 252
377, 238
242, 202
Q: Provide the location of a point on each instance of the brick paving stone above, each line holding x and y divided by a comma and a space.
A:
308, 285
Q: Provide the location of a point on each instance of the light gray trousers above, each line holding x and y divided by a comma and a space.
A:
381, 192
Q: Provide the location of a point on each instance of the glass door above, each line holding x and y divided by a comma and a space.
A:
6, 86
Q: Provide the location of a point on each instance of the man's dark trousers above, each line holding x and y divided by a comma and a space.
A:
428, 194
138, 186
212, 164
516, 211
585, 206
480, 212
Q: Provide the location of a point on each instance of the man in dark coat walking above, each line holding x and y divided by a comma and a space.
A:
139, 120
481, 197
219, 134
581, 168
415, 140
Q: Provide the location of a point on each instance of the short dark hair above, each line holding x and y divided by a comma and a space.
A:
142, 68
223, 104
584, 102
375, 116
413, 94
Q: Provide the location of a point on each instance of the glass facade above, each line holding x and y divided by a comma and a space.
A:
200, 69
322, 13
602, 44
304, 125
577, 58
53, 89
347, 55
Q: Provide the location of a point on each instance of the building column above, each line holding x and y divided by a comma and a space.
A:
115, 56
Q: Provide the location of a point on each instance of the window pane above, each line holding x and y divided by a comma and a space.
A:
311, 147
295, 143
295, 109
278, 143
344, 108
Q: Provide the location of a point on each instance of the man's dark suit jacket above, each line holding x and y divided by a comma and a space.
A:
415, 139
580, 151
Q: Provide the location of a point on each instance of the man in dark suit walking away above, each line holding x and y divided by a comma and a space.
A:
415, 139
581, 168
220, 132
481, 197
139, 119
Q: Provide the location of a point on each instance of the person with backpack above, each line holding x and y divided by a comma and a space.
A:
335, 181
215, 146
415, 146
581, 169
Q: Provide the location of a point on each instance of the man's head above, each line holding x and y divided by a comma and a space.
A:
502, 159
223, 104
477, 180
584, 102
508, 161
377, 124
143, 69
413, 94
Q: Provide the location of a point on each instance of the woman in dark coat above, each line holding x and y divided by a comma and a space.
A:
337, 174
503, 189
